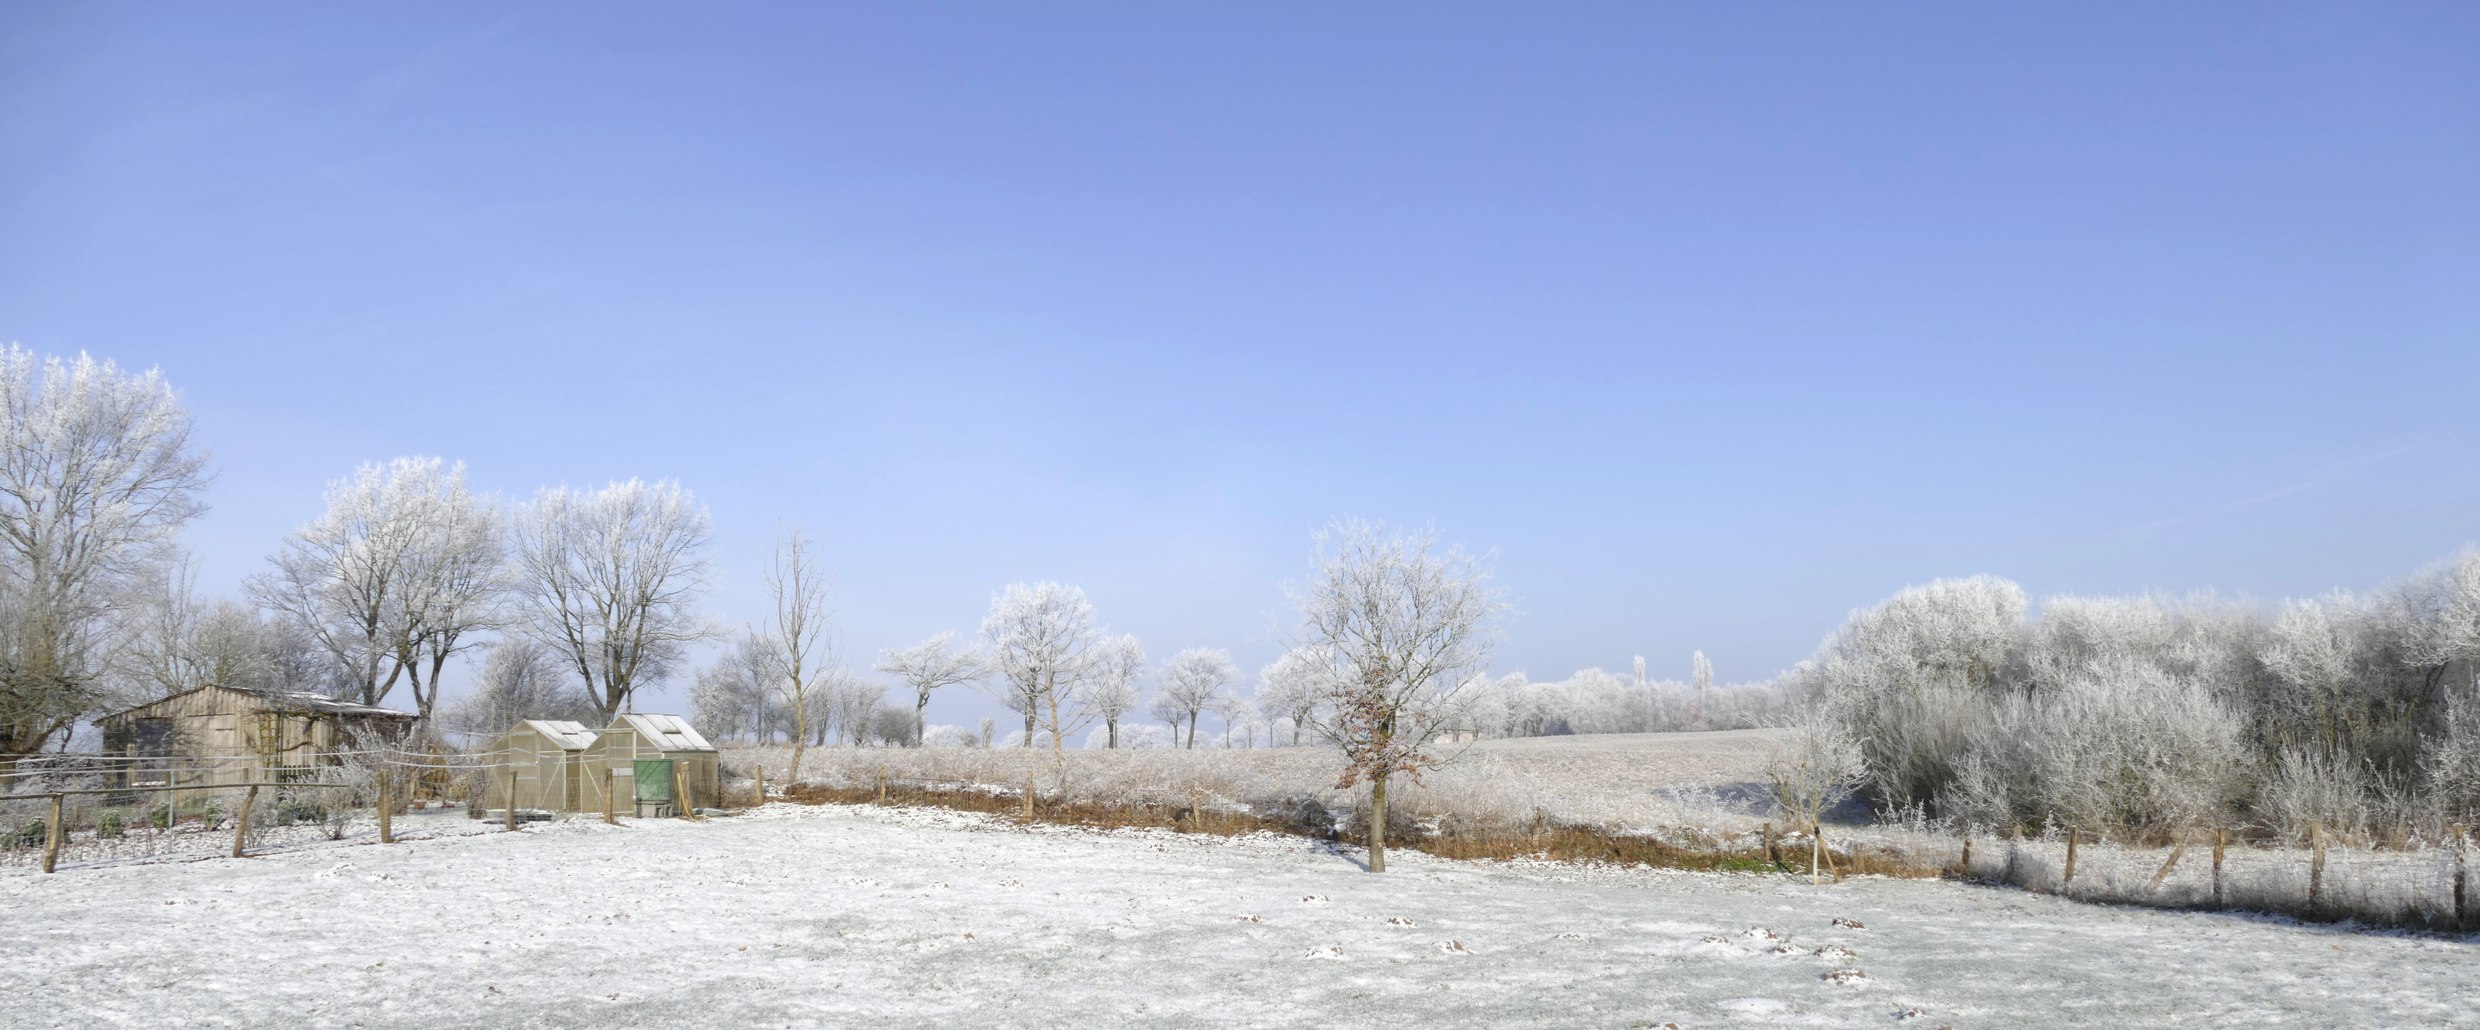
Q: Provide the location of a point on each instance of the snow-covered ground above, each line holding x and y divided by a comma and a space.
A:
797, 916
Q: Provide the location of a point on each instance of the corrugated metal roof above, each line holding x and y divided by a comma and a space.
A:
305, 701
670, 732
285, 701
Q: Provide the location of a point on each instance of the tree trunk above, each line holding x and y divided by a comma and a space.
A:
1192, 732
795, 775
1028, 726
1113, 724
920, 728
1377, 823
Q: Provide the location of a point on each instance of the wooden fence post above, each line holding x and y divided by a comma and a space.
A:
1816, 852
682, 803
51, 837
2461, 878
1028, 799
1769, 847
1831, 869
2177, 849
386, 834
511, 810
611, 786
882, 784
2221, 839
2067, 883
761, 786
241, 826
2316, 864
1966, 864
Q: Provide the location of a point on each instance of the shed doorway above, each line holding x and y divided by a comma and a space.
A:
653, 778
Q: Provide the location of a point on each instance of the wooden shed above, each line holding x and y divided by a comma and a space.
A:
653, 758
212, 737
543, 766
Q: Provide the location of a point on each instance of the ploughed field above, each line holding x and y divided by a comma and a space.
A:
799, 915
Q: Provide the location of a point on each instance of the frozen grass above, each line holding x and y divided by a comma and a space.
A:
1699, 795
1641, 781
836, 915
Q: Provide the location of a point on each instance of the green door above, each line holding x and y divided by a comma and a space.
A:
654, 780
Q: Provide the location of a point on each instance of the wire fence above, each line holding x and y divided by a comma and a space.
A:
72, 811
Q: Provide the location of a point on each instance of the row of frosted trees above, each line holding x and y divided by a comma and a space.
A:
581, 596
2150, 716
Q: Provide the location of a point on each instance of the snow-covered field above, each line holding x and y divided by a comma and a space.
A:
799, 916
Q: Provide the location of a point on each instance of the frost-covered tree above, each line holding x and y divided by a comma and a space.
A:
1194, 683
1291, 688
520, 679
1701, 674
1908, 677
796, 633
1403, 623
736, 697
1117, 664
1812, 768
97, 477
928, 666
1164, 707
610, 579
402, 571
856, 703
1043, 640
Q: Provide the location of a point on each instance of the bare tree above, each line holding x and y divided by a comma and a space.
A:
735, 698
1194, 682
1292, 687
393, 578
162, 645
856, 705
97, 476
610, 579
458, 588
1117, 663
797, 633
1402, 623
928, 666
520, 680
1812, 768
1042, 640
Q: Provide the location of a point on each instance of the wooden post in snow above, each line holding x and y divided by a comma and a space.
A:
2461, 879
882, 784
761, 786
2180, 848
51, 837
1028, 799
241, 826
1965, 866
386, 830
511, 810
681, 802
2067, 882
1816, 852
611, 787
1769, 846
2221, 839
2316, 864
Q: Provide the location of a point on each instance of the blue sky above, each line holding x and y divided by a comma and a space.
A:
1714, 322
